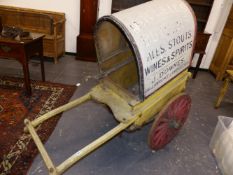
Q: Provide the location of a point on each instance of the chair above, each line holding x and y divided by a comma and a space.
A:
224, 87
200, 47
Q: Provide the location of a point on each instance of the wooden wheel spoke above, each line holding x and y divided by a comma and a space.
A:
160, 139
164, 120
161, 126
160, 134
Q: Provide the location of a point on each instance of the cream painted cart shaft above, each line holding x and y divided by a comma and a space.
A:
143, 55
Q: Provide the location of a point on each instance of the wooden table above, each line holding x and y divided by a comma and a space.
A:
21, 50
200, 47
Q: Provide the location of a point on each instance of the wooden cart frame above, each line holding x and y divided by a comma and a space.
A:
132, 113
125, 87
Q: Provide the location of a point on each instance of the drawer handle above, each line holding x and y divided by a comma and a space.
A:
5, 48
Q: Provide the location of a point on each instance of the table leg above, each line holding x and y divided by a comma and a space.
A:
199, 60
42, 67
42, 60
27, 78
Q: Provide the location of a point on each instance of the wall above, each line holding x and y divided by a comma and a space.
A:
105, 8
70, 7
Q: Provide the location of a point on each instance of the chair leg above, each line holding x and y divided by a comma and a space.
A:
55, 60
222, 92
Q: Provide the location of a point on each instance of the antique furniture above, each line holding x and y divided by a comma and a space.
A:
51, 24
201, 43
143, 70
223, 58
118, 5
21, 50
202, 10
224, 87
85, 40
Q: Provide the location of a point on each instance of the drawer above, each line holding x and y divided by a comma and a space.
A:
10, 50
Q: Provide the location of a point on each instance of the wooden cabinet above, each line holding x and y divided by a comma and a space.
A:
85, 41
202, 10
223, 58
118, 5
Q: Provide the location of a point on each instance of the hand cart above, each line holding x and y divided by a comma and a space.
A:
143, 55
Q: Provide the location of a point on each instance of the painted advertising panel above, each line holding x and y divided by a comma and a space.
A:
162, 33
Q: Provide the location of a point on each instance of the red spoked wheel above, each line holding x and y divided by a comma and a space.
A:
169, 121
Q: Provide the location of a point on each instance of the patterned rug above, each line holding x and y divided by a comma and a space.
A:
17, 150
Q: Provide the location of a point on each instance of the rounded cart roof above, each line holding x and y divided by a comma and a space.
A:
160, 34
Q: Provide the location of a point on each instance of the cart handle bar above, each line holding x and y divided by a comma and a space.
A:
59, 110
53, 170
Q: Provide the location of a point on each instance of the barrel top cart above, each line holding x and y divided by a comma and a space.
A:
157, 36
143, 55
